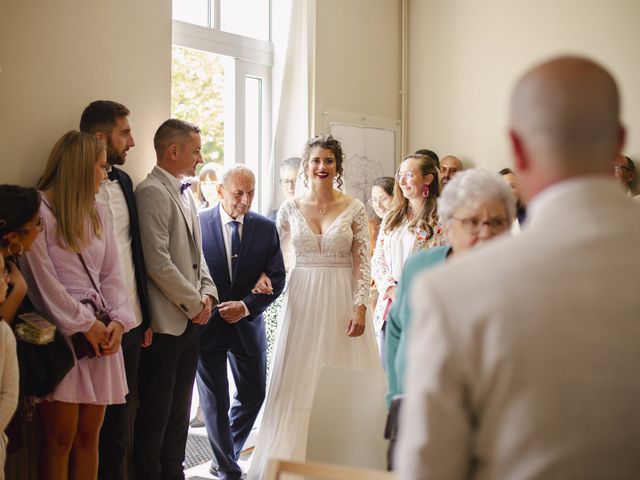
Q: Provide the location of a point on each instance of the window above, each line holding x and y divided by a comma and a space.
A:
221, 78
227, 16
234, 18
197, 95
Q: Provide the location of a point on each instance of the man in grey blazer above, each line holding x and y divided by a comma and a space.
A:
181, 296
524, 358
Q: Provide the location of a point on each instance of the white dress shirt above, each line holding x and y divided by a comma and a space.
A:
112, 197
226, 219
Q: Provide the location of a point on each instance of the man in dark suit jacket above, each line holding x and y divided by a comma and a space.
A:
239, 245
109, 121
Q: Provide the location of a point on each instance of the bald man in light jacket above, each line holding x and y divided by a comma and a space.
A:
524, 357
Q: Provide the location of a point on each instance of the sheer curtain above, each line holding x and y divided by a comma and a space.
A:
293, 38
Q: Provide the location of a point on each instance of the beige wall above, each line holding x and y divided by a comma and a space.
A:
357, 59
464, 57
56, 57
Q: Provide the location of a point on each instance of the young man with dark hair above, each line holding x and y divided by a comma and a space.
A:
109, 121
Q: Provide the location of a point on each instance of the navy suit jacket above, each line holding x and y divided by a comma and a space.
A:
136, 245
259, 252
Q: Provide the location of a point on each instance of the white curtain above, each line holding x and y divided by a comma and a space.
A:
293, 38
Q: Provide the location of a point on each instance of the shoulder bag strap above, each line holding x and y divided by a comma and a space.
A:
86, 269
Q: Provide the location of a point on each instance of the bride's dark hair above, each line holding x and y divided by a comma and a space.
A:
328, 142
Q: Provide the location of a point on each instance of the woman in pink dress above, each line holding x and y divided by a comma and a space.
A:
57, 283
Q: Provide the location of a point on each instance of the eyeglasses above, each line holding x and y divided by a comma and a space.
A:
39, 225
473, 225
620, 169
287, 181
408, 176
378, 200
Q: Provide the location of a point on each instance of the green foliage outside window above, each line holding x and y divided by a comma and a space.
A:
197, 87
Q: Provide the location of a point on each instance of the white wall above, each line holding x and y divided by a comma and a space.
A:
357, 59
465, 56
57, 56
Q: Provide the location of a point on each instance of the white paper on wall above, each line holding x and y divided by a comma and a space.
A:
369, 153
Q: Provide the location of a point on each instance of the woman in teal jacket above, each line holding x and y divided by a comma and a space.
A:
476, 206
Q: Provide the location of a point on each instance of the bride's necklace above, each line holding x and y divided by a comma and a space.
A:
322, 208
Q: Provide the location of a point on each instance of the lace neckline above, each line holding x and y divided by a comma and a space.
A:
335, 220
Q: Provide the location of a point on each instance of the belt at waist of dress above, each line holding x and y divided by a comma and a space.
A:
324, 263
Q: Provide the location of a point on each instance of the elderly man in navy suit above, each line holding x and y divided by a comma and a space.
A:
239, 246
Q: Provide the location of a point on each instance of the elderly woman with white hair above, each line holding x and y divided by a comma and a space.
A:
476, 206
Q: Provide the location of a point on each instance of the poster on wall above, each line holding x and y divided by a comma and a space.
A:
369, 153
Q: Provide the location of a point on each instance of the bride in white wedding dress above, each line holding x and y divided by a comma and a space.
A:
324, 319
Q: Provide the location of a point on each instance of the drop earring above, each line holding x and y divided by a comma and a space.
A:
425, 190
15, 244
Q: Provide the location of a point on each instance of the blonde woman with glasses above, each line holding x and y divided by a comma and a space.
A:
410, 225
75, 231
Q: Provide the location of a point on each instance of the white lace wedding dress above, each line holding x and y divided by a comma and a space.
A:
331, 275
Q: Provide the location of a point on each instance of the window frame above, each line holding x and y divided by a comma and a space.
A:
251, 57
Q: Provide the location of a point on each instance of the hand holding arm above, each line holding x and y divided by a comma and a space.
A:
271, 281
263, 285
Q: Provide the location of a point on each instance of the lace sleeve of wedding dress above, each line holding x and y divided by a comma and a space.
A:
380, 270
360, 252
284, 232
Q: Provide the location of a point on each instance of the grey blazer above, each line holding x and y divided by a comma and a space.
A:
178, 275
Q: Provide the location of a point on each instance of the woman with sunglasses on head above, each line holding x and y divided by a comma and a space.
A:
411, 224
20, 225
73, 262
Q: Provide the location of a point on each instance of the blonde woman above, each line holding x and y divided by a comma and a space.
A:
57, 284
409, 225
